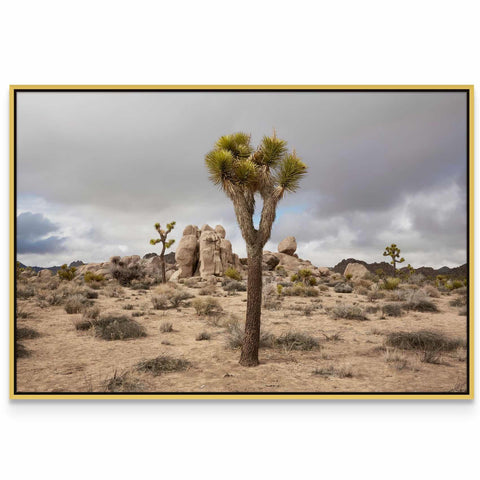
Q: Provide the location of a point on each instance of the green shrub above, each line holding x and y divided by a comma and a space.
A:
66, 273
233, 273
390, 283
90, 277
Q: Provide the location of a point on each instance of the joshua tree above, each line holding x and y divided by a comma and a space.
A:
243, 171
394, 252
165, 244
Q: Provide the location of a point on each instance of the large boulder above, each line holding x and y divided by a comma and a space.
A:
356, 270
220, 231
191, 230
343, 288
210, 256
288, 246
186, 256
269, 261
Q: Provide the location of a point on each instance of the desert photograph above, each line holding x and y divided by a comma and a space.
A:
241, 242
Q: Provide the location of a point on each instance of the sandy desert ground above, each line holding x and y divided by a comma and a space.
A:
352, 355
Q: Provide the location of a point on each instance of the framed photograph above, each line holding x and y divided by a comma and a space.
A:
241, 242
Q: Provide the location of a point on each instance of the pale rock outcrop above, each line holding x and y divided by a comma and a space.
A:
269, 261
288, 246
210, 256
220, 231
187, 255
356, 270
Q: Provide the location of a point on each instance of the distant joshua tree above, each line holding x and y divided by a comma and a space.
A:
243, 171
165, 244
394, 252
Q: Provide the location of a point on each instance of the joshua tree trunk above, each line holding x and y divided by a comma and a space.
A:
162, 259
249, 356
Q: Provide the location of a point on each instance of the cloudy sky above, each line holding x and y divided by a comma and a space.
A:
95, 171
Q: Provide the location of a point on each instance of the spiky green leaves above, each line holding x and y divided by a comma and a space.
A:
220, 166
272, 150
163, 235
290, 172
269, 170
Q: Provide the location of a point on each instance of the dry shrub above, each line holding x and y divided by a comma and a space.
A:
76, 304
202, 336
207, 290
297, 341
114, 291
230, 285
162, 364
363, 282
125, 274
125, 383
235, 336
342, 371
458, 302
423, 340
169, 296
166, 327
419, 302
25, 333
399, 359
392, 310
21, 351
271, 298
431, 291
25, 292
361, 290
301, 290
206, 306
349, 312
375, 295
117, 327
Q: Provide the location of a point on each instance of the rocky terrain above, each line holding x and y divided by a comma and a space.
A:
112, 327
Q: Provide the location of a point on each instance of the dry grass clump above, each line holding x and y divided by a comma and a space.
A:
419, 302
349, 312
202, 336
114, 291
230, 285
375, 295
21, 351
300, 290
169, 297
423, 340
431, 291
235, 336
342, 371
297, 341
206, 306
392, 310
76, 304
207, 290
25, 333
398, 359
162, 364
460, 301
25, 292
124, 383
117, 327
372, 309
361, 290
166, 327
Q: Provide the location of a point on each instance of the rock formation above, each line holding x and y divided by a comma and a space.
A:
356, 270
288, 246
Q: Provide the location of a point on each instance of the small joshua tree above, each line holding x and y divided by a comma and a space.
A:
243, 171
394, 252
165, 244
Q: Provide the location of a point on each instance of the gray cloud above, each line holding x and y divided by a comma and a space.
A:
32, 234
381, 165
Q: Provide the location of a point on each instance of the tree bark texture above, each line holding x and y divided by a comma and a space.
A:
249, 355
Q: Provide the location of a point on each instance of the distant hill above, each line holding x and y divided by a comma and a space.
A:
76, 263
455, 272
